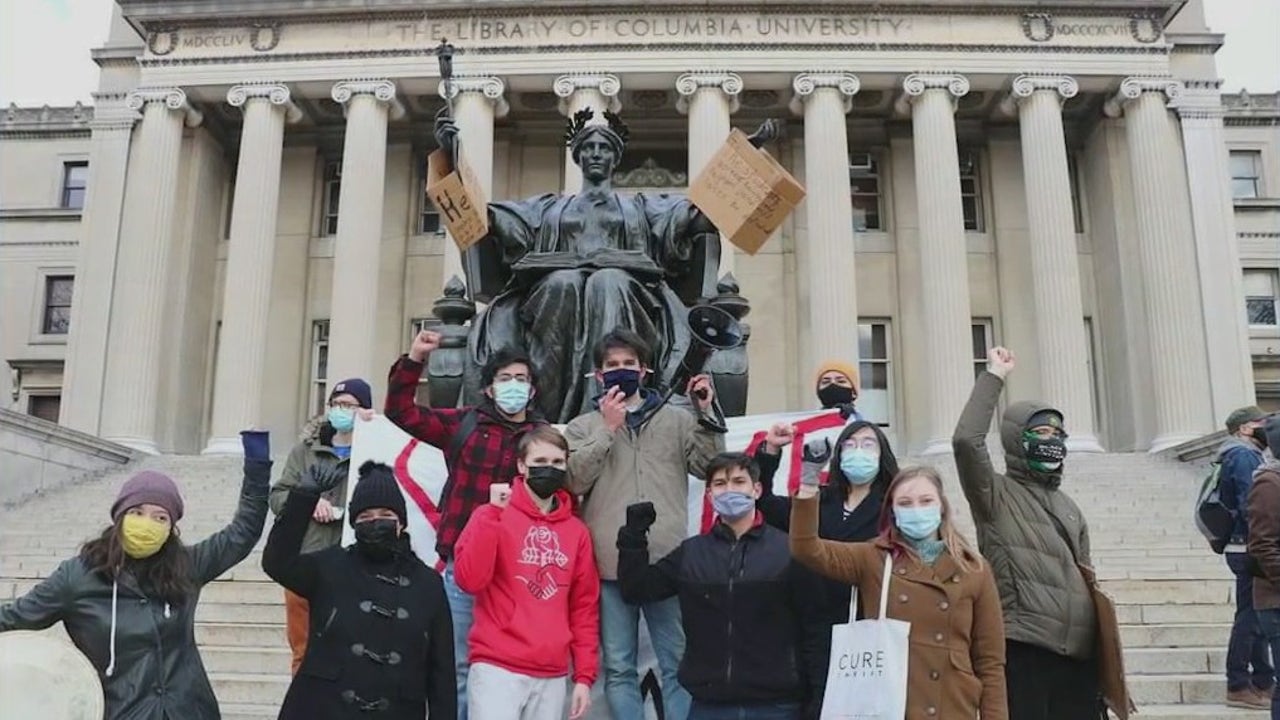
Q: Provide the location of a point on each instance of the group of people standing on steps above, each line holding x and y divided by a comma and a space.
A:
554, 545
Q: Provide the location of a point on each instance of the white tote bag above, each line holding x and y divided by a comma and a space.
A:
867, 676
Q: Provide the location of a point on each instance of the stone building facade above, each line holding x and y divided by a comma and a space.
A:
239, 218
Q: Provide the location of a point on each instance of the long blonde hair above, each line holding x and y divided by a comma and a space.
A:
964, 554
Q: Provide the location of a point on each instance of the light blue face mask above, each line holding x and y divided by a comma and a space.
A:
511, 396
342, 419
918, 523
859, 466
732, 506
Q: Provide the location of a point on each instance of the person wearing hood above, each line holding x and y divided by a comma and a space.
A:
324, 444
1263, 506
1034, 535
836, 384
861, 468
1238, 458
381, 638
128, 600
636, 448
479, 446
528, 562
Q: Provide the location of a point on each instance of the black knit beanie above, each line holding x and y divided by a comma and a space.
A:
1272, 429
376, 488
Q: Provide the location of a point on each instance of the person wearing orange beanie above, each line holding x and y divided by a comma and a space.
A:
836, 384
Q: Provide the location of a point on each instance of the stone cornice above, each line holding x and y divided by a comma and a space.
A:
688, 84
806, 84
380, 89
491, 87
274, 93
1133, 88
607, 84
173, 98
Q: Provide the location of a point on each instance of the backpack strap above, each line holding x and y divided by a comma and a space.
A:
466, 426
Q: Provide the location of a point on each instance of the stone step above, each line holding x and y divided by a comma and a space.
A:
1173, 614
1194, 712
1173, 636
1173, 661
248, 711
237, 613
249, 689
237, 634
1174, 592
1185, 689
256, 660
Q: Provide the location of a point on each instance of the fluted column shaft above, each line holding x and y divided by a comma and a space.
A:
709, 98
1060, 341
353, 314
1178, 364
95, 265
943, 253
827, 255
238, 385
137, 316
477, 102
578, 92
1217, 251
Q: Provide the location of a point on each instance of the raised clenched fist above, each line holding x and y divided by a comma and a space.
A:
424, 343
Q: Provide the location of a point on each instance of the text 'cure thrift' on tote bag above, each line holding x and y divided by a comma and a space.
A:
867, 677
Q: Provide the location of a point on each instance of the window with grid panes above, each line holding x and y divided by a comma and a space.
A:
75, 184
865, 195
56, 318
970, 190
1260, 297
1246, 169
983, 341
319, 366
332, 192
875, 401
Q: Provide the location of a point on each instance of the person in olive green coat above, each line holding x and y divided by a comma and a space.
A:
1033, 535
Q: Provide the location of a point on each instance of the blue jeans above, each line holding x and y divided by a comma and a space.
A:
1247, 647
1269, 621
761, 711
620, 640
462, 609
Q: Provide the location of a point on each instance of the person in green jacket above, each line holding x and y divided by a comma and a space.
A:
1034, 536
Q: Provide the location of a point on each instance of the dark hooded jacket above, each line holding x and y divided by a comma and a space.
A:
1044, 597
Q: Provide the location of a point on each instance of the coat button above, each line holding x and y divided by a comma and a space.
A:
902, 571
159, 691
937, 637
944, 605
934, 675
902, 598
931, 710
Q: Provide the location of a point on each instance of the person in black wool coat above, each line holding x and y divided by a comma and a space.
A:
381, 638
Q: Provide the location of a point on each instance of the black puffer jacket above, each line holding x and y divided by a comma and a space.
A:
739, 604
381, 638
158, 674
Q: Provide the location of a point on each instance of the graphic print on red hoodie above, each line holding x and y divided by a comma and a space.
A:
536, 588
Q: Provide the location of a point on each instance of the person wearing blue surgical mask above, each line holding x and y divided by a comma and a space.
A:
861, 466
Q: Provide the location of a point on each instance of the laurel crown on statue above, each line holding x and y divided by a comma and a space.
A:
578, 128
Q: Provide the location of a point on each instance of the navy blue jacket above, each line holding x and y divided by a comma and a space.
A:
1239, 459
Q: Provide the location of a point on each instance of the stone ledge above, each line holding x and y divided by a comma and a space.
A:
38, 456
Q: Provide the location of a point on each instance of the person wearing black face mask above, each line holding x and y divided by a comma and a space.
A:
381, 637
528, 561
836, 384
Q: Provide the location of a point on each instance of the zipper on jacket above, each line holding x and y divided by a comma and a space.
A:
728, 670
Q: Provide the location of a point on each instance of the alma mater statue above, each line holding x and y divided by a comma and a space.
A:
577, 266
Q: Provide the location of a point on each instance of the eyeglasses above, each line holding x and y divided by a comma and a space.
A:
345, 405
861, 444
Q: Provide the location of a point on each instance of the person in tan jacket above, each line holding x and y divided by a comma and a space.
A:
636, 448
940, 585
1264, 547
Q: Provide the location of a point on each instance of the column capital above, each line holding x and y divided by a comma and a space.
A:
1024, 86
688, 85
607, 84
381, 89
274, 93
915, 85
491, 87
1132, 88
173, 98
111, 112
806, 84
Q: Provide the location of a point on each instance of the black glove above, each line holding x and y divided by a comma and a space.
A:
816, 455
640, 517
321, 477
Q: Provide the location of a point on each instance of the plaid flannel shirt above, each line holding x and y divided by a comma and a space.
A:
486, 457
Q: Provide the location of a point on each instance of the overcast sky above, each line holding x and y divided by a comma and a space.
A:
44, 47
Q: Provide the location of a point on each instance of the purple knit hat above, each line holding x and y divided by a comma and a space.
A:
151, 487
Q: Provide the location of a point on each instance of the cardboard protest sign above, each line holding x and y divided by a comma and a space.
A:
458, 197
745, 192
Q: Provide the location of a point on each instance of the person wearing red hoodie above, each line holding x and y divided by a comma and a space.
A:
528, 561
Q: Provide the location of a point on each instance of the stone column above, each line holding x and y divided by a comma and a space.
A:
242, 348
1060, 342
1217, 249
137, 315
826, 258
353, 314
477, 101
709, 98
112, 128
578, 92
1178, 364
943, 253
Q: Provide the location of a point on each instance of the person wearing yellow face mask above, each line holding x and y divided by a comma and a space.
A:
128, 600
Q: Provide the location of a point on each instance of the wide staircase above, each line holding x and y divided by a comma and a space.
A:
1174, 595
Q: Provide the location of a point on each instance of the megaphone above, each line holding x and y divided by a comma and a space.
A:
711, 329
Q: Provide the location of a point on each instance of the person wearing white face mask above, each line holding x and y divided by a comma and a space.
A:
480, 446
861, 467
325, 447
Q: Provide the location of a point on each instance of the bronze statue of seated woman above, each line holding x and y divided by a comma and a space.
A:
560, 271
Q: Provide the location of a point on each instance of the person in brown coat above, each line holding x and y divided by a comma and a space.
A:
940, 585
1264, 547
